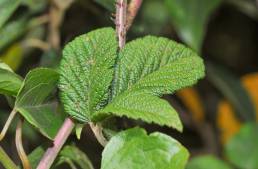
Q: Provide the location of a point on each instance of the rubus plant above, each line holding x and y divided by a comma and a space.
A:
100, 77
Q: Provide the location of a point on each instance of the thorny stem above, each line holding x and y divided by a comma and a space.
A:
121, 10
6, 160
19, 146
132, 11
7, 124
52, 152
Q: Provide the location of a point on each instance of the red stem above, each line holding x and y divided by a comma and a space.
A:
52, 152
121, 9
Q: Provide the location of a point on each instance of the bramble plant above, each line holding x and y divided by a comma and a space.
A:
101, 77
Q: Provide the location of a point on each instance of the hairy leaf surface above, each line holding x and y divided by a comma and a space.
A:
152, 66
30, 102
134, 149
86, 72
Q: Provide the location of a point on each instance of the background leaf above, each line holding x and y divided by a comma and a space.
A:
231, 87
209, 161
144, 150
30, 102
108, 4
7, 7
86, 72
190, 19
242, 149
74, 155
10, 83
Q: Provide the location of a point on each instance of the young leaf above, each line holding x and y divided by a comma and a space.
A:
10, 83
147, 68
7, 7
86, 72
134, 149
231, 87
71, 154
242, 149
190, 19
30, 102
209, 161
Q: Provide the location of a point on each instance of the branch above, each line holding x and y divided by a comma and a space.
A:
6, 160
52, 152
121, 9
7, 124
19, 146
132, 11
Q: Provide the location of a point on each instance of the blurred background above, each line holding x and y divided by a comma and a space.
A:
219, 113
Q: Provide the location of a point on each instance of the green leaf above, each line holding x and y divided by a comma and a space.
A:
71, 154
30, 102
137, 105
7, 7
86, 72
10, 83
190, 19
35, 156
12, 31
209, 161
231, 87
242, 149
147, 68
134, 149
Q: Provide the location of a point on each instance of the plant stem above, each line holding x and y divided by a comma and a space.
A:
121, 10
7, 124
19, 145
97, 130
6, 160
52, 152
132, 11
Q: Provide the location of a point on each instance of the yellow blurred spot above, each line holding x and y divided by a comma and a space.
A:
192, 101
227, 121
13, 56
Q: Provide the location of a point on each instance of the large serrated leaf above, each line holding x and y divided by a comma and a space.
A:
190, 19
86, 72
156, 65
10, 83
137, 105
31, 101
154, 151
152, 66
7, 7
